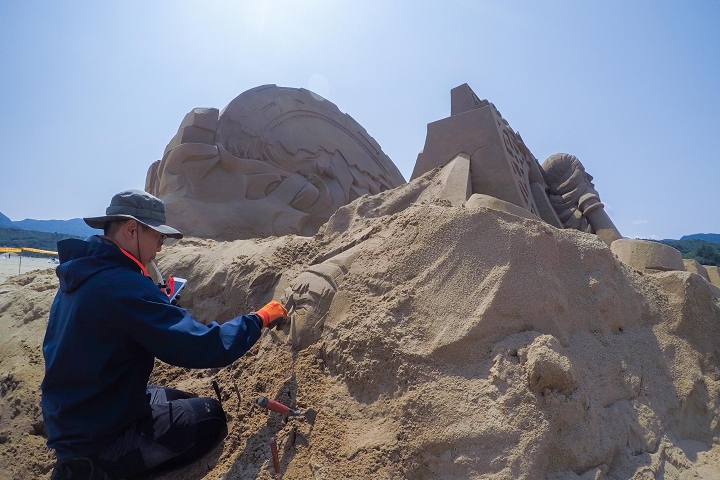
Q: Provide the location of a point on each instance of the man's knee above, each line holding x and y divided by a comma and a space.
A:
210, 429
165, 394
211, 422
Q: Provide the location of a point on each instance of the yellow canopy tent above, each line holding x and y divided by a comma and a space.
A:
35, 250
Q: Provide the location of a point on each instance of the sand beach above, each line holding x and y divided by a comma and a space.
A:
15, 265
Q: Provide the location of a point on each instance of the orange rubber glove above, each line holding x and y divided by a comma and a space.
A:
272, 314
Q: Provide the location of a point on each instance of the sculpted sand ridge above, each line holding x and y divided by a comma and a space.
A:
430, 341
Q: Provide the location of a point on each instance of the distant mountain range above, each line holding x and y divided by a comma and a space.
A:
708, 237
75, 226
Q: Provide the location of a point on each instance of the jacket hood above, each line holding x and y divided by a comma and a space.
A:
81, 259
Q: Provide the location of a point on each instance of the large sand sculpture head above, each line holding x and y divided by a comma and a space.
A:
274, 161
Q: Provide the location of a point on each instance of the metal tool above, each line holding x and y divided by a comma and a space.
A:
278, 407
274, 454
216, 387
290, 306
237, 391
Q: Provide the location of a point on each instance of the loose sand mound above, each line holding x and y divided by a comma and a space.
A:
451, 342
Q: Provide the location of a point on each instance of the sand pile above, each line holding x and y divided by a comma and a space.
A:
430, 341
24, 307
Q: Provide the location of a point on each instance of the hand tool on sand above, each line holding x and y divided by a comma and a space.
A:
216, 387
237, 391
290, 306
274, 453
278, 407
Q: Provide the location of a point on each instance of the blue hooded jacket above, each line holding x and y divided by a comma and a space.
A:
107, 324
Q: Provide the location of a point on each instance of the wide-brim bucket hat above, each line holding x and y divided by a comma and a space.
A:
139, 206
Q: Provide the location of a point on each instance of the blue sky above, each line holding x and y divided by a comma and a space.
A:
92, 91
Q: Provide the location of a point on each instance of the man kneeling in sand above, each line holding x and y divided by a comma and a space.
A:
107, 324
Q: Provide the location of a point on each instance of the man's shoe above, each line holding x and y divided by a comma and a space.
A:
81, 468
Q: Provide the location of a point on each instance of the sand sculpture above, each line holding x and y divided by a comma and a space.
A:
433, 341
274, 161
694, 266
713, 274
644, 255
501, 165
438, 332
503, 174
574, 198
312, 293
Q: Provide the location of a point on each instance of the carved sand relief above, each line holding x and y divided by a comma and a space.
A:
520, 165
575, 199
501, 164
274, 161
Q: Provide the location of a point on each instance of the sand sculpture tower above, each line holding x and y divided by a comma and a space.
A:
502, 166
486, 163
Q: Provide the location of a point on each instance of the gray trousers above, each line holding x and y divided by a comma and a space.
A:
182, 429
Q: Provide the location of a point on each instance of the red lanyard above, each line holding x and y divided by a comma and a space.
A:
129, 255
168, 288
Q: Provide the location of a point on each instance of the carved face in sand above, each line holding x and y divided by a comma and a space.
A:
275, 161
312, 293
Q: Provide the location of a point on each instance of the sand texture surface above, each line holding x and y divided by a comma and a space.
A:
445, 343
